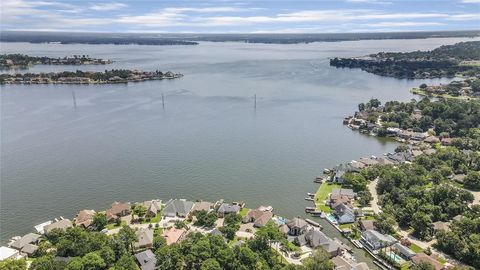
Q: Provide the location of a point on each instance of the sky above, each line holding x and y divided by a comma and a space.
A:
240, 16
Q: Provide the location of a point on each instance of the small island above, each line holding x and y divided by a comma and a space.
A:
461, 59
87, 77
23, 61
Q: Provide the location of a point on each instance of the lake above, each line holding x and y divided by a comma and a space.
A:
119, 144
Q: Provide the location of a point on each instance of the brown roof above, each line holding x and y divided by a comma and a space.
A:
422, 257
334, 199
84, 218
263, 219
259, 217
144, 236
173, 235
118, 209
61, 224
367, 224
199, 206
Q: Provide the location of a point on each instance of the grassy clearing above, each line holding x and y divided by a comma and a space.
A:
415, 248
322, 195
418, 91
244, 211
405, 266
470, 63
111, 226
157, 218
346, 226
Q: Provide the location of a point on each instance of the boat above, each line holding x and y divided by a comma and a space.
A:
311, 194
309, 199
313, 223
316, 213
318, 180
309, 209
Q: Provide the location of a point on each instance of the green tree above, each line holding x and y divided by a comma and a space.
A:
140, 210
75, 264
107, 254
232, 218
158, 242
128, 237
210, 264
13, 264
320, 260
126, 262
472, 180
423, 266
99, 221
46, 263
93, 261
385, 223
421, 225
169, 258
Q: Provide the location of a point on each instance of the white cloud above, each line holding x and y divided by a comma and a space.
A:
464, 17
370, 2
403, 24
17, 14
470, 1
107, 6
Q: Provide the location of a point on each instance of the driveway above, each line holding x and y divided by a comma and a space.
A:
372, 187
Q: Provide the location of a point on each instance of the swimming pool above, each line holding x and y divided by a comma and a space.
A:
395, 257
332, 218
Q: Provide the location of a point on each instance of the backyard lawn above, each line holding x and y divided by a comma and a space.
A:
322, 195
415, 248
244, 212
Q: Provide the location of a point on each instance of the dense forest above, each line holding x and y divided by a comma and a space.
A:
456, 119
416, 194
444, 61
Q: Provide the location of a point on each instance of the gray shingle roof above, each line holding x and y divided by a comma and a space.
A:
146, 259
29, 249
297, 222
62, 225
376, 237
26, 239
145, 237
343, 192
228, 208
177, 207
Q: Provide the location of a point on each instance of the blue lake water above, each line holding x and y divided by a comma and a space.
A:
208, 143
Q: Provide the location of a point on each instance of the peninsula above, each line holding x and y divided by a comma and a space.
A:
87, 77
22, 61
461, 59
468, 88
420, 204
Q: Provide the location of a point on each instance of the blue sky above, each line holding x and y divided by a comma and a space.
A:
240, 16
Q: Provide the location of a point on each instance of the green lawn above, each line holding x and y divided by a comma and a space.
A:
346, 226
415, 248
244, 211
405, 266
157, 218
114, 225
322, 195
418, 91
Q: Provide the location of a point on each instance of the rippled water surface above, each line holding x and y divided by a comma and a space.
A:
208, 143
